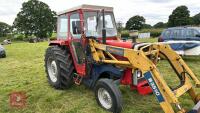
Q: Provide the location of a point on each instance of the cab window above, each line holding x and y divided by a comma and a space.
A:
94, 24
62, 31
75, 25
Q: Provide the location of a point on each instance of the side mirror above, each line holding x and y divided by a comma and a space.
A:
76, 27
198, 35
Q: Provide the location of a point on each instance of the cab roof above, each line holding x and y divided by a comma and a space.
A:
88, 7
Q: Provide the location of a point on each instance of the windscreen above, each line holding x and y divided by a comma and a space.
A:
94, 24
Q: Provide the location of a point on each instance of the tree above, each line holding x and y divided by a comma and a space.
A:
160, 25
4, 29
135, 22
147, 26
35, 18
196, 19
179, 17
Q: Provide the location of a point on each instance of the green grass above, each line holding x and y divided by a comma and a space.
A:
23, 70
147, 40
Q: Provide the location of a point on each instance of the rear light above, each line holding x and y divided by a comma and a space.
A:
160, 39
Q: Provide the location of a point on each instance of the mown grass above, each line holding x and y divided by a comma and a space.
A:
151, 40
23, 70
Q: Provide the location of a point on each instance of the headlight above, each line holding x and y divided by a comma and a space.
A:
138, 73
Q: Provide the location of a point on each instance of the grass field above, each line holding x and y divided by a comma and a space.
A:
23, 70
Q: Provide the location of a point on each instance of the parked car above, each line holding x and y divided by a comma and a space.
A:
2, 52
184, 40
6, 42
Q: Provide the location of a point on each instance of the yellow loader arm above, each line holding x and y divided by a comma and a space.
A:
145, 60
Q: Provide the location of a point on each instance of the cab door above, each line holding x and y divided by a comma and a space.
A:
76, 45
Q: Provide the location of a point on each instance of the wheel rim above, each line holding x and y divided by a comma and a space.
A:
104, 98
52, 70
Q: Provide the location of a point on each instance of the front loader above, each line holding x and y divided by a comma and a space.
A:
88, 51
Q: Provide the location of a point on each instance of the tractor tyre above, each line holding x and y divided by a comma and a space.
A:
3, 56
59, 67
108, 95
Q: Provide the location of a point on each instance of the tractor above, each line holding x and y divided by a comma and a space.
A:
88, 51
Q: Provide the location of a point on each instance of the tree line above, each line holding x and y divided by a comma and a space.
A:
179, 17
4, 29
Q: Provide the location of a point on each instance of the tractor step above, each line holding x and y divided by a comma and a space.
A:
77, 79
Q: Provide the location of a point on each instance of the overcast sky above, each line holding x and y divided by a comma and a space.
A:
153, 10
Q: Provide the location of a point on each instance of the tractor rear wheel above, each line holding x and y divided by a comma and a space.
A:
59, 67
108, 95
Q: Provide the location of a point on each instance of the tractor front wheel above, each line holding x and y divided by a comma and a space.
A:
59, 67
108, 95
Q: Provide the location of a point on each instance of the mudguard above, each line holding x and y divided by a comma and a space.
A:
58, 42
98, 70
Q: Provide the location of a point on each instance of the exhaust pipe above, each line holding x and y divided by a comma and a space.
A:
134, 35
104, 28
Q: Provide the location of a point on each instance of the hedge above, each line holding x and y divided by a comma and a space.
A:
154, 32
125, 34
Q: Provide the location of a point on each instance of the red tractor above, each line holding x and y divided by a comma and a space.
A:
88, 51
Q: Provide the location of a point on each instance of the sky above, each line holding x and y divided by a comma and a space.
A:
152, 10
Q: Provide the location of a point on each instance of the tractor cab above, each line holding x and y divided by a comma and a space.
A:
76, 25
86, 20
